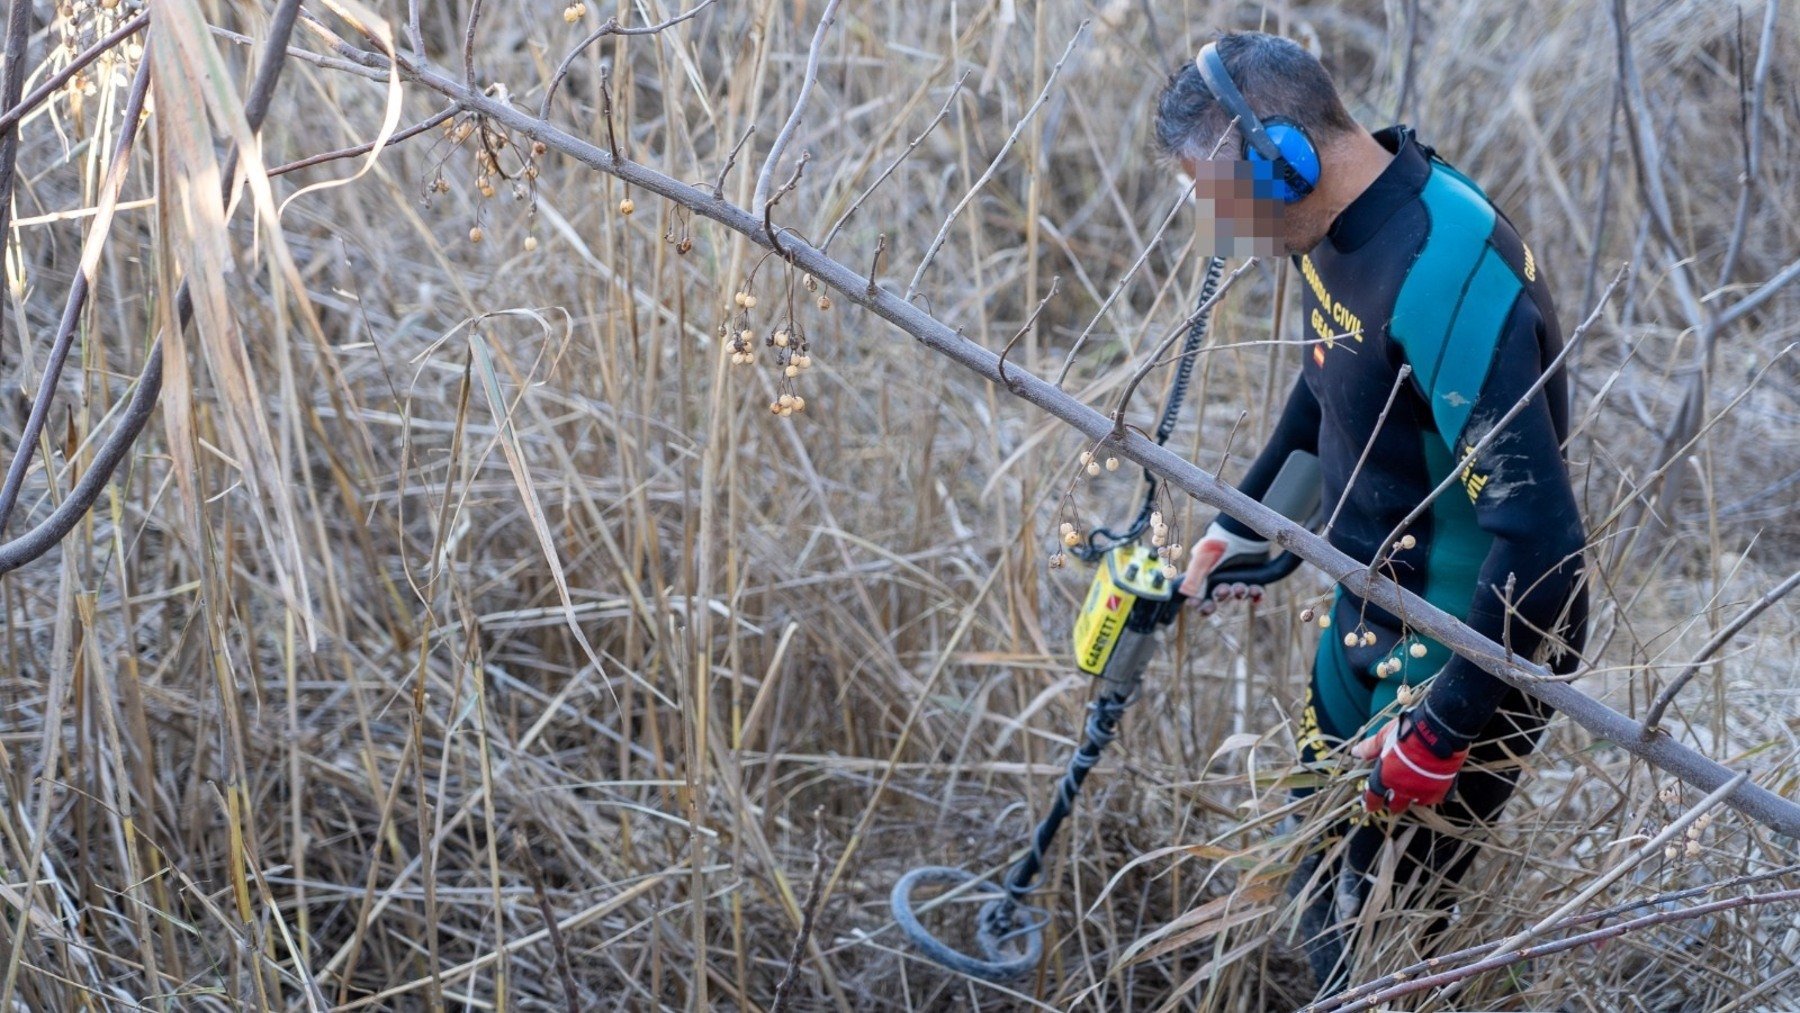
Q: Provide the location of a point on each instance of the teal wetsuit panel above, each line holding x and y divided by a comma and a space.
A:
1450, 310
1457, 551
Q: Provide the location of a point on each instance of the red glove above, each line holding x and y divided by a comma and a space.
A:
1415, 764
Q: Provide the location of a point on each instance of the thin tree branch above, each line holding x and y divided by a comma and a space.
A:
766, 176
937, 241
1030, 322
469, 43
1119, 287
415, 37
45, 536
1500, 960
55, 81
559, 947
1752, 149
809, 912
1081, 339
955, 90
1762, 295
1719, 640
1479, 950
18, 37
365, 147
77, 299
1515, 945
1649, 848
1175, 335
86, 493
1400, 377
611, 27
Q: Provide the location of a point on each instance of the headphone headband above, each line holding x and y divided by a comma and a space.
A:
1225, 91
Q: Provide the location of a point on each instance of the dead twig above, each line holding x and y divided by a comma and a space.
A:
763, 178
77, 298
362, 149
937, 242
1400, 377
1513, 949
1752, 144
1030, 322
1474, 453
1719, 640
558, 946
786, 188
955, 90
1590, 938
610, 27
875, 263
809, 912
1154, 359
52, 84
718, 187
18, 36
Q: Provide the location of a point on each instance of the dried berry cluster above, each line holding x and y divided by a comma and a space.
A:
1689, 847
1167, 550
499, 162
786, 340
81, 23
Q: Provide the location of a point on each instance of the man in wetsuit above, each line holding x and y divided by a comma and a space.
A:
1421, 298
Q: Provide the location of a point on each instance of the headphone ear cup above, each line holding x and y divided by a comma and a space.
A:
1297, 150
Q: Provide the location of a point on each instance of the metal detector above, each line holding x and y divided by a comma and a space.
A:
1121, 620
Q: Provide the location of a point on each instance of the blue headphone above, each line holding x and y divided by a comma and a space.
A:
1282, 157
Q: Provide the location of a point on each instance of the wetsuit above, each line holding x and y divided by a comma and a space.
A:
1421, 270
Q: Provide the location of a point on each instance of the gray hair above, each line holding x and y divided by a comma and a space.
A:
1276, 76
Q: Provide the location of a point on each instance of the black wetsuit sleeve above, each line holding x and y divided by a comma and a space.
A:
1298, 429
1520, 490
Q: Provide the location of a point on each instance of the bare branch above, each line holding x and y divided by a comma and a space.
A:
1719, 640
1590, 938
1030, 322
414, 37
1753, 147
1175, 335
955, 90
1124, 280
730, 160
1401, 375
18, 37
78, 293
1513, 949
86, 493
1435, 963
611, 27
365, 147
912, 287
1762, 294
809, 912
765, 177
55, 81
87, 490
558, 944
469, 42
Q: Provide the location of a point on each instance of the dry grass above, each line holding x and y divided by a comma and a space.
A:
521, 602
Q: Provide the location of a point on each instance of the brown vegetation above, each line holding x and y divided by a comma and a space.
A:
466, 631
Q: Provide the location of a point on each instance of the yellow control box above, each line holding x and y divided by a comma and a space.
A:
1132, 573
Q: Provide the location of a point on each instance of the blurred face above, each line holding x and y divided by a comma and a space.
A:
1241, 217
